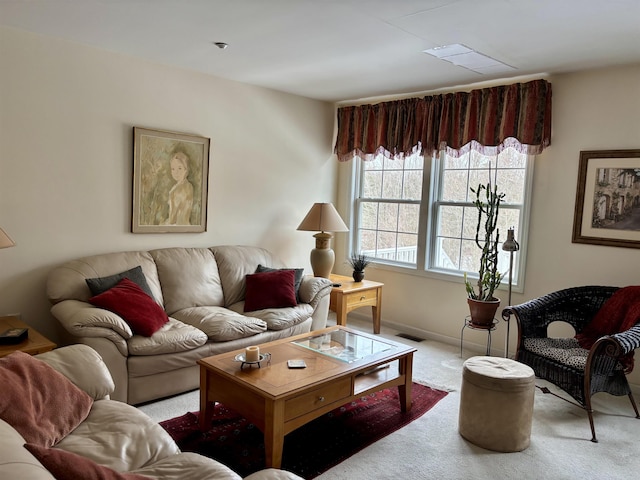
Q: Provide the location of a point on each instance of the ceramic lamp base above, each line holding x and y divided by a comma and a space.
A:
322, 257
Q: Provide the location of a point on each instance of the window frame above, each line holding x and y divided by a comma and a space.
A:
432, 174
358, 200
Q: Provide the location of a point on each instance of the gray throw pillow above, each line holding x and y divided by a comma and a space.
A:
102, 284
298, 272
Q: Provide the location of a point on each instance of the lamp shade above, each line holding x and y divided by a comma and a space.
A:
5, 240
323, 217
510, 244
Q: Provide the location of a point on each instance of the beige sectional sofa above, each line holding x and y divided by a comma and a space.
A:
202, 290
107, 435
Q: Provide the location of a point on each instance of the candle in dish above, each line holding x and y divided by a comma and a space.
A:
252, 354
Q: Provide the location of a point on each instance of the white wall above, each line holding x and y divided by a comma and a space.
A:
595, 110
66, 161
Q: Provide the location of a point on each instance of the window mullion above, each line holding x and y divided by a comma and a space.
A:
424, 218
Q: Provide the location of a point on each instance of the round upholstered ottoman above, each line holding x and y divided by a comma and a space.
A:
496, 403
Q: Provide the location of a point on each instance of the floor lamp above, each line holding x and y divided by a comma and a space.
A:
510, 245
323, 217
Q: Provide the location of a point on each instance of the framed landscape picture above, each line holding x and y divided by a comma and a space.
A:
170, 180
607, 210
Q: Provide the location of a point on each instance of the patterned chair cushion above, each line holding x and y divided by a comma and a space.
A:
563, 350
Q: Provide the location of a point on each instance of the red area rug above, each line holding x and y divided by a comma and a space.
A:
312, 448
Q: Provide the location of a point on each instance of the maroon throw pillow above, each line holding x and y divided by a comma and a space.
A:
139, 310
66, 465
38, 401
298, 272
270, 290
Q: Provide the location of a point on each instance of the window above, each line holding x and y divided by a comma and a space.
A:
410, 216
388, 209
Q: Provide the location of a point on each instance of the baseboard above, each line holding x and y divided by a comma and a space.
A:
476, 348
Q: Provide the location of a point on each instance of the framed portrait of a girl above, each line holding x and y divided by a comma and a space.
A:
170, 179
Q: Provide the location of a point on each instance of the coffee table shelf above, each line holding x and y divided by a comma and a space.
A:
372, 380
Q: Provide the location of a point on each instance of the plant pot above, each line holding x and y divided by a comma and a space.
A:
483, 312
358, 276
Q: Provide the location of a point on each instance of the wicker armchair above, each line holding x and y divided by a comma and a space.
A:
579, 372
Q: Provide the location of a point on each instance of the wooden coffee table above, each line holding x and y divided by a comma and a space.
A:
342, 365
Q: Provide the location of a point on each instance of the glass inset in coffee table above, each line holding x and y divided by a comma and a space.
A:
342, 365
345, 345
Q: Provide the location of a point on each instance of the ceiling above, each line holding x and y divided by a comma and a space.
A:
344, 50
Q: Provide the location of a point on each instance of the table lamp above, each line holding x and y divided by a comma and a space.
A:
510, 245
323, 217
5, 240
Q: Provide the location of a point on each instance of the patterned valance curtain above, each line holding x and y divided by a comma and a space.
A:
488, 120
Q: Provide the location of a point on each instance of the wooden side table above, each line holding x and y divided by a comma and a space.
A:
34, 344
351, 295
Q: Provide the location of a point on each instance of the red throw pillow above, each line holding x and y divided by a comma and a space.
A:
139, 310
66, 465
270, 290
298, 274
38, 401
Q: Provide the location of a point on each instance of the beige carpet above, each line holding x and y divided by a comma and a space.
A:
431, 447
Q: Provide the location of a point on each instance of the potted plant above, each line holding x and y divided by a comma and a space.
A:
482, 302
359, 262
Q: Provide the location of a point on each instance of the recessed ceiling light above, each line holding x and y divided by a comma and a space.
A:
463, 56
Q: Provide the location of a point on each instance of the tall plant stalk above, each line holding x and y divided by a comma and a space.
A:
487, 203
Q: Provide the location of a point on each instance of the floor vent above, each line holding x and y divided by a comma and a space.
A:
410, 337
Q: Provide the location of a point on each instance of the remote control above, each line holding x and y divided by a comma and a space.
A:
296, 364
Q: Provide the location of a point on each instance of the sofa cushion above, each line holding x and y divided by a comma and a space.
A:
119, 436
188, 466
69, 466
235, 262
102, 284
68, 281
275, 289
39, 402
279, 318
299, 272
189, 278
173, 337
221, 324
139, 310
15, 461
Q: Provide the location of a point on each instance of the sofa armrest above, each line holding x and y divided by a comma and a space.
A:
316, 291
313, 289
320, 314
84, 367
82, 319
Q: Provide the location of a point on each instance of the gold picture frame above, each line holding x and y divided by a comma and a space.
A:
608, 199
170, 182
